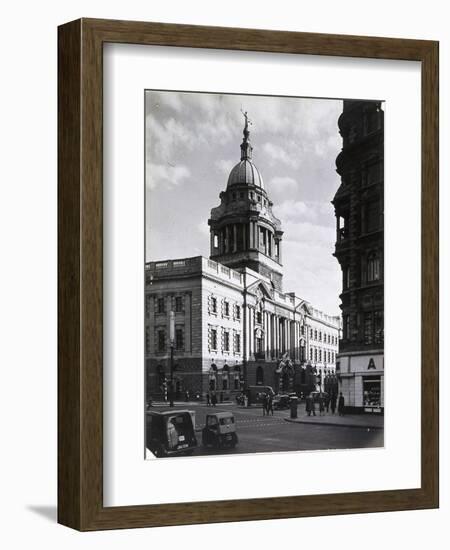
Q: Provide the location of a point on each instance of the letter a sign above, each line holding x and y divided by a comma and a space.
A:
371, 364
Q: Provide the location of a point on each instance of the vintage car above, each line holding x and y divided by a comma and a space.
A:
220, 430
170, 433
256, 393
281, 401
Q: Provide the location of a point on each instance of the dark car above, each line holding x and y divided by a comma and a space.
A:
281, 401
170, 433
220, 430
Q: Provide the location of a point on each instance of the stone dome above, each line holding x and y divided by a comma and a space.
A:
245, 173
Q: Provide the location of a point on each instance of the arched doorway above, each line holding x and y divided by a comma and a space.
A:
260, 376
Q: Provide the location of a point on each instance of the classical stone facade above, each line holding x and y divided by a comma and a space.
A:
358, 206
234, 325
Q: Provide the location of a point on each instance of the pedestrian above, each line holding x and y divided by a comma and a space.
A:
321, 404
186, 395
310, 405
264, 403
327, 402
245, 400
341, 405
333, 403
270, 404
208, 399
213, 399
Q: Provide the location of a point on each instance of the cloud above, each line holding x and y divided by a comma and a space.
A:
282, 183
225, 166
276, 153
322, 213
158, 175
165, 140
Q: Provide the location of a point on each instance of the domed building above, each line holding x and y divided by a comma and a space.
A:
226, 318
244, 230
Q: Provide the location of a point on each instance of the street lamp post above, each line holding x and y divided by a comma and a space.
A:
172, 343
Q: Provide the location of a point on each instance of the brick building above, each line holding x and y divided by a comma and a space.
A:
358, 207
234, 325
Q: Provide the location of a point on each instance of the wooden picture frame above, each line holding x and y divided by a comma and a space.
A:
80, 272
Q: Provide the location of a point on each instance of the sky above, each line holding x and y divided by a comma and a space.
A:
192, 143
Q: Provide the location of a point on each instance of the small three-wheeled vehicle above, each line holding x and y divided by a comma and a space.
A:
220, 430
170, 433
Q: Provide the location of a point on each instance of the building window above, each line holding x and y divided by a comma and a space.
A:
368, 328
213, 338
378, 327
373, 267
161, 340
161, 305
179, 339
238, 312
147, 340
178, 304
315, 355
233, 196
226, 341
346, 278
320, 336
311, 333
226, 309
372, 216
346, 327
241, 195
320, 356
310, 354
213, 304
237, 343
315, 334
259, 317
258, 345
260, 376
259, 198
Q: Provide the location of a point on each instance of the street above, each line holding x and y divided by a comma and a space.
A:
258, 433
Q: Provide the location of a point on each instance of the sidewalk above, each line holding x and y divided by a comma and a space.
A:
369, 421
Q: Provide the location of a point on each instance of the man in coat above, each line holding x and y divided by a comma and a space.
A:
341, 405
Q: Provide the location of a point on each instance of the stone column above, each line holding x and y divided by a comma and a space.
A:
266, 334
227, 239
234, 237
247, 332
251, 332
274, 335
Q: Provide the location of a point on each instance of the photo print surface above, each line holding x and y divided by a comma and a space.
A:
264, 297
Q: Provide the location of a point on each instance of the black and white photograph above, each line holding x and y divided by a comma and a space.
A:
264, 261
